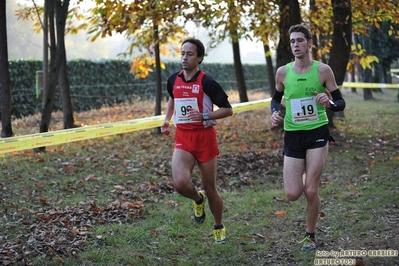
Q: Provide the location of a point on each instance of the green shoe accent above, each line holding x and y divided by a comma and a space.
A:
309, 244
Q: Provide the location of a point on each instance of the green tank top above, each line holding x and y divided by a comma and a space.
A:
302, 110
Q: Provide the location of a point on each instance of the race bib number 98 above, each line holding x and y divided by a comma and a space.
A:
304, 110
181, 108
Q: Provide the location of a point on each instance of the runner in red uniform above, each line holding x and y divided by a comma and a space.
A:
192, 97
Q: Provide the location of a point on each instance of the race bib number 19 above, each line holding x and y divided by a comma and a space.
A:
304, 110
181, 107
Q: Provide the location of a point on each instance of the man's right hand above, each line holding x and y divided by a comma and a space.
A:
165, 128
276, 118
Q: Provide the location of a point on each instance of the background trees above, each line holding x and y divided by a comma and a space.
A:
55, 12
228, 20
264, 25
147, 25
365, 17
53, 26
5, 111
155, 29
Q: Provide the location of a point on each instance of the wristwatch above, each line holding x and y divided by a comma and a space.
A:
205, 116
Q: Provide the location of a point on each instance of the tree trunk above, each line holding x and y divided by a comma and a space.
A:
367, 77
289, 15
357, 67
239, 71
367, 74
67, 110
5, 82
315, 48
48, 95
386, 71
158, 77
45, 66
353, 80
57, 13
270, 70
342, 39
341, 43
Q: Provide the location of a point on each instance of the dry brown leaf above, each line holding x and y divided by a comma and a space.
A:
44, 216
40, 185
144, 163
29, 154
126, 205
171, 203
60, 260
74, 231
153, 233
280, 213
68, 169
66, 222
43, 201
94, 208
91, 177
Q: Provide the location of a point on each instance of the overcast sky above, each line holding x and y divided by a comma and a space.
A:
23, 43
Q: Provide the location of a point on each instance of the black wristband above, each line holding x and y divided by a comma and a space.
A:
274, 106
276, 100
338, 102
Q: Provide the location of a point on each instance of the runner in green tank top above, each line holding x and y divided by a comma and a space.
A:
304, 84
303, 112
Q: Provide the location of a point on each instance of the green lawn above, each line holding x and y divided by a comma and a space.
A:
110, 201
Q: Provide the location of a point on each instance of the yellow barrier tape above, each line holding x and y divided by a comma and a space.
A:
248, 106
370, 85
32, 141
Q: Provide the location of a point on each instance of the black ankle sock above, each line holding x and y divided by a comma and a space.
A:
311, 235
218, 227
200, 201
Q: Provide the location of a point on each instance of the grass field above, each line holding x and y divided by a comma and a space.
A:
110, 201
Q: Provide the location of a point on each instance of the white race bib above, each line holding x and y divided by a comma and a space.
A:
304, 110
181, 108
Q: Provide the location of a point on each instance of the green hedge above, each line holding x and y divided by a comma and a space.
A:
94, 84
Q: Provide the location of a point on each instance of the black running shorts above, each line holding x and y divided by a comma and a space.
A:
296, 143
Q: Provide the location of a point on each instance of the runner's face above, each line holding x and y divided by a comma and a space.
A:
299, 44
189, 58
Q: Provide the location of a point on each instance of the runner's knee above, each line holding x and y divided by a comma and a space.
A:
292, 196
180, 183
311, 194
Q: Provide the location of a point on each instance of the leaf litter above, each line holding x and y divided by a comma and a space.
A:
58, 232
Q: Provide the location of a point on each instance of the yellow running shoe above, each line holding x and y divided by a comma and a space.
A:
220, 235
199, 209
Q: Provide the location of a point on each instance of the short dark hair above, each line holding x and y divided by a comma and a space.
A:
301, 28
199, 44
